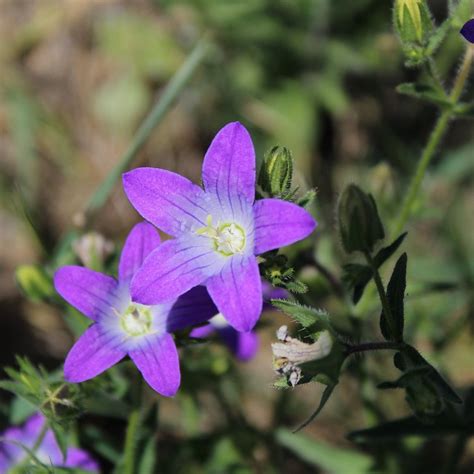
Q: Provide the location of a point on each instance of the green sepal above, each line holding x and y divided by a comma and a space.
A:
35, 282
393, 330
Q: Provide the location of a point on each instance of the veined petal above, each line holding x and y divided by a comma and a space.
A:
168, 200
229, 165
158, 361
86, 290
244, 345
173, 268
91, 355
141, 240
279, 223
194, 307
237, 292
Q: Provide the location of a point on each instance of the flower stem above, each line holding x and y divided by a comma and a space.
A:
433, 142
374, 346
156, 115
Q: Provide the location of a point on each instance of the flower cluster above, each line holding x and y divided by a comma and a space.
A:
208, 270
15, 443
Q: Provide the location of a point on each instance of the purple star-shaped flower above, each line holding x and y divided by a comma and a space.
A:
244, 345
122, 327
468, 30
15, 438
218, 231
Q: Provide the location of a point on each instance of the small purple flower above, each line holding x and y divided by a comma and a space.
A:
468, 31
244, 345
218, 230
122, 327
12, 452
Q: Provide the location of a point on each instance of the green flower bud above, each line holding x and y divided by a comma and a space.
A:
34, 282
424, 399
412, 20
276, 172
359, 222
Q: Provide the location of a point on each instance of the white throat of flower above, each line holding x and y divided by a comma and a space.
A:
136, 320
228, 238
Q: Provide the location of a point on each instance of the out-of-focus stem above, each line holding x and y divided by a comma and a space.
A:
156, 115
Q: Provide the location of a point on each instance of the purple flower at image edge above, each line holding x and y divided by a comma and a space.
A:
244, 345
468, 30
218, 231
12, 452
121, 327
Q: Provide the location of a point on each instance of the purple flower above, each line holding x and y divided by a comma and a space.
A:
468, 30
218, 230
122, 327
12, 453
244, 345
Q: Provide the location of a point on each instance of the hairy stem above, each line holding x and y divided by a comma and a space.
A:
374, 346
433, 142
156, 115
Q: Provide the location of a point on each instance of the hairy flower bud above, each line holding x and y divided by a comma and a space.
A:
92, 249
359, 222
412, 20
276, 172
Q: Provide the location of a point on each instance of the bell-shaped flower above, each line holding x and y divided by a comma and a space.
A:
122, 327
218, 230
16, 441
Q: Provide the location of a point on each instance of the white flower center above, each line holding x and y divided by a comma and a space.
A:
136, 320
229, 238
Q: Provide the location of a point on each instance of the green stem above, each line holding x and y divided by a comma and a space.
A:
131, 439
433, 142
382, 294
156, 115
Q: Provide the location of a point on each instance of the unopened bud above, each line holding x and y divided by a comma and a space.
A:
92, 249
359, 222
276, 172
34, 282
412, 20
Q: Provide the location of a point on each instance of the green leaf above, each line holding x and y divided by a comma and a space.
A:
395, 295
326, 457
385, 253
324, 398
426, 92
464, 110
307, 198
438, 36
60, 434
406, 378
305, 315
148, 457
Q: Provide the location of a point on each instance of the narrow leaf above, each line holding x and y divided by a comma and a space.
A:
324, 398
395, 295
305, 315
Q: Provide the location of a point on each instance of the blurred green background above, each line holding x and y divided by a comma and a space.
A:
318, 76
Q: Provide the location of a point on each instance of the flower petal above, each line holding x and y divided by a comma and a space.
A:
158, 361
237, 292
279, 223
79, 458
91, 355
141, 241
86, 290
229, 165
166, 199
194, 307
173, 268
202, 332
244, 345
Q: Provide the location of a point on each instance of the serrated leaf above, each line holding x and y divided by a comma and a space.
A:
395, 296
326, 457
304, 315
426, 92
324, 398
